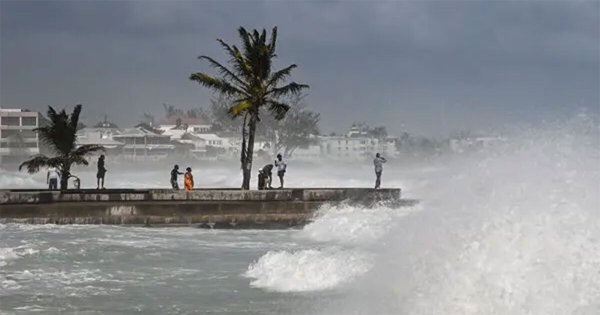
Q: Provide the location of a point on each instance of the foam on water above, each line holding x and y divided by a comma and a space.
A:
351, 224
306, 270
9, 254
513, 230
344, 235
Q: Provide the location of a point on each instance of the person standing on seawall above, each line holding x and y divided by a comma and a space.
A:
281, 167
188, 180
101, 172
378, 162
52, 178
174, 176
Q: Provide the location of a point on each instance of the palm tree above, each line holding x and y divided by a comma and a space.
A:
61, 136
251, 85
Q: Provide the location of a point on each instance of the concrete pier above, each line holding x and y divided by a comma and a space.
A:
209, 208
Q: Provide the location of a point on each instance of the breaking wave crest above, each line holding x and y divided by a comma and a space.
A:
513, 229
306, 270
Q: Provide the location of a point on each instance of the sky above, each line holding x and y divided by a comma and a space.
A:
427, 67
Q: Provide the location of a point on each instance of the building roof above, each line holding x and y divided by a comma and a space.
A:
138, 132
172, 121
98, 130
102, 141
174, 133
207, 136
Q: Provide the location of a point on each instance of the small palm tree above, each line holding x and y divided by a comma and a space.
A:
251, 85
61, 136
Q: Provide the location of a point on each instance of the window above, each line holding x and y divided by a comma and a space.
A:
9, 121
9, 133
28, 121
19, 144
27, 134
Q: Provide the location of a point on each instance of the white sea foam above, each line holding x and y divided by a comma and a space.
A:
512, 230
352, 224
306, 270
8, 254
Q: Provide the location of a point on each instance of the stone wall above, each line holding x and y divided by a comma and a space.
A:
214, 208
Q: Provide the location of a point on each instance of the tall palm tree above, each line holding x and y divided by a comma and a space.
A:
61, 136
251, 85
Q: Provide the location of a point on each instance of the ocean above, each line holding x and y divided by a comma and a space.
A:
509, 229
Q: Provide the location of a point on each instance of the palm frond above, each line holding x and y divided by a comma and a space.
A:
52, 114
88, 148
280, 75
248, 43
225, 72
273, 42
278, 109
75, 117
220, 85
237, 60
36, 162
239, 107
60, 133
79, 160
289, 89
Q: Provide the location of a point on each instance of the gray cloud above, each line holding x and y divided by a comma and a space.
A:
429, 67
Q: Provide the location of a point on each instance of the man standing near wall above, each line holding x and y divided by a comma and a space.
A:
378, 162
281, 167
52, 178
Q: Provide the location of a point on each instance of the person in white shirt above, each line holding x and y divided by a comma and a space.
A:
378, 162
52, 178
281, 167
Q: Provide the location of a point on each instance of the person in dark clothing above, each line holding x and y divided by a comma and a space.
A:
265, 176
101, 172
378, 162
174, 174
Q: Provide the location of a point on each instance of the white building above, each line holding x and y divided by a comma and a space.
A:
191, 125
142, 144
101, 136
358, 146
348, 148
17, 138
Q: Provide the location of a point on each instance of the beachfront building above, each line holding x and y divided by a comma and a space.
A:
348, 148
142, 144
18, 141
204, 146
103, 134
360, 142
191, 125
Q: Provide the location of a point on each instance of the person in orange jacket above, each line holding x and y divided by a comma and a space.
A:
188, 179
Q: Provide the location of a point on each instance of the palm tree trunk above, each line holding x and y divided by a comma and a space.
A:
247, 163
64, 179
244, 134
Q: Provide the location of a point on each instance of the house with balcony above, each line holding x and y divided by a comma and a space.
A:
142, 144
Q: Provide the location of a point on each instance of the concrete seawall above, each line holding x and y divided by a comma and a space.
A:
211, 208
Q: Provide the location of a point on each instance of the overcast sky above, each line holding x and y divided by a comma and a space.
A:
426, 67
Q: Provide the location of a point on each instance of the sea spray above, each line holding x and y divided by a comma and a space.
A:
306, 270
353, 224
513, 229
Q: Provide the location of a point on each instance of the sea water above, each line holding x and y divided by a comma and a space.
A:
510, 229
